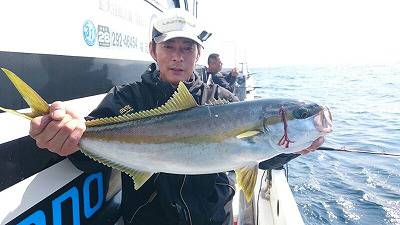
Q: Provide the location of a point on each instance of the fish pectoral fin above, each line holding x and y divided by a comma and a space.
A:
38, 106
248, 134
246, 178
139, 177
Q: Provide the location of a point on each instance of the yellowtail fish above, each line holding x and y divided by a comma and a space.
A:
182, 137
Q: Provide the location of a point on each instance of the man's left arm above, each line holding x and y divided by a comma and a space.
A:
228, 80
232, 76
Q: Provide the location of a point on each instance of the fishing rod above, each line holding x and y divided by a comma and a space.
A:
252, 73
357, 151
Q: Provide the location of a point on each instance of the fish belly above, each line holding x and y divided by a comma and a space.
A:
179, 158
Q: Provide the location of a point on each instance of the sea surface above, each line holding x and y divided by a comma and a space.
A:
339, 187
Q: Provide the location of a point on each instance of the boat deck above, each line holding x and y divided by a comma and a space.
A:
273, 202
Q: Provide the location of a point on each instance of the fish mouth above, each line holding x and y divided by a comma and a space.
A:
323, 121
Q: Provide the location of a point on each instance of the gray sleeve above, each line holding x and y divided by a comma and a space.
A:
231, 79
227, 95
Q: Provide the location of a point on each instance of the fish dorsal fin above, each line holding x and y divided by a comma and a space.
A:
180, 100
38, 106
139, 177
214, 101
246, 178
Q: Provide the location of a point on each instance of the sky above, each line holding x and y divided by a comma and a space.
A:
302, 32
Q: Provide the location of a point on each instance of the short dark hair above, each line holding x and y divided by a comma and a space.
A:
212, 56
153, 46
153, 43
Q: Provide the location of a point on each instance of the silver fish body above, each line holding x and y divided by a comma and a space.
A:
205, 139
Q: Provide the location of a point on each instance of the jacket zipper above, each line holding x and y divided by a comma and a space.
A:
233, 188
152, 196
180, 193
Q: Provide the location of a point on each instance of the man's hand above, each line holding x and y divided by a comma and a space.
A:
313, 146
235, 72
59, 131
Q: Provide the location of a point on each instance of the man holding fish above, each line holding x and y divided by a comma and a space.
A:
163, 193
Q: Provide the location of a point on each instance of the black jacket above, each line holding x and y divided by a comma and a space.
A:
165, 198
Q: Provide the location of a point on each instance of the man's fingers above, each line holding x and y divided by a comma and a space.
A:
57, 142
38, 124
71, 144
318, 142
57, 110
73, 113
51, 130
60, 131
235, 71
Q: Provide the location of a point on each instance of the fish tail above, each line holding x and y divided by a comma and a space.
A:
38, 106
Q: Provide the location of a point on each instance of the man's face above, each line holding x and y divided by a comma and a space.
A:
215, 65
176, 59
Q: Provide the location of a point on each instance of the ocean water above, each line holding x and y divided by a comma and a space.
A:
339, 187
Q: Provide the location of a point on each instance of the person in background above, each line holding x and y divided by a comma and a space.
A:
165, 199
226, 80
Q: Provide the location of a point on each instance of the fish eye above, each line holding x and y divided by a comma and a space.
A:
301, 113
